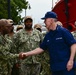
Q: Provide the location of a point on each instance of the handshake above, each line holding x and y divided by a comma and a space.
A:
22, 55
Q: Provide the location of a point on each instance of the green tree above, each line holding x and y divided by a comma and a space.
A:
3, 9
16, 9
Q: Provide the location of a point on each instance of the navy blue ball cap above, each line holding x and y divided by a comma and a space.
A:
50, 14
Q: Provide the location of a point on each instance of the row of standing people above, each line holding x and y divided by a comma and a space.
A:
22, 41
28, 39
60, 44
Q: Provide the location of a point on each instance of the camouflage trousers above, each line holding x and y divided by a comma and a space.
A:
30, 69
5, 68
15, 70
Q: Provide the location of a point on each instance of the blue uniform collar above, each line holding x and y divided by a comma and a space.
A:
57, 27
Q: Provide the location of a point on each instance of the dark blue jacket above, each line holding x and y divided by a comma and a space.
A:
58, 43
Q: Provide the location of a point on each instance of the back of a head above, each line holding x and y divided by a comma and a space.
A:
38, 27
3, 22
19, 27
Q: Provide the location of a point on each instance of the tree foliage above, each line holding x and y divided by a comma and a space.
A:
16, 8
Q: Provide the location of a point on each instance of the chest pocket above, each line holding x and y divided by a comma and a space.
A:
24, 38
31, 38
59, 40
35, 41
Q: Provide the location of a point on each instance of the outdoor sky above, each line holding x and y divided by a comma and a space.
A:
38, 9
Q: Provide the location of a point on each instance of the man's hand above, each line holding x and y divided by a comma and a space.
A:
70, 65
22, 55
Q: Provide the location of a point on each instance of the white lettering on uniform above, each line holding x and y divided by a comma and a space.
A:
59, 38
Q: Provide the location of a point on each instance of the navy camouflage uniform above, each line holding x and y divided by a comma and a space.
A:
23, 42
5, 56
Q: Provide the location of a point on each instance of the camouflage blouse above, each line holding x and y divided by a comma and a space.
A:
24, 41
5, 55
